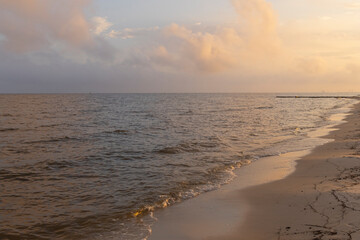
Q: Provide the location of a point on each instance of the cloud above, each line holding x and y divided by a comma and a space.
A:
201, 51
253, 39
29, 26
32, 24
311, 66
129, 33
352, 5
258, 21
255, 51
254, 47
325, 18
100, 25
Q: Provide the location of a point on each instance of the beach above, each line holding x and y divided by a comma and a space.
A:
179, 120
313, 197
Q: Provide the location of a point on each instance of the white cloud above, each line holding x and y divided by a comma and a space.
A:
129, 33
101, 25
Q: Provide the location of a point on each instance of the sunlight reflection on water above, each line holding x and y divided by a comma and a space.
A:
74, 166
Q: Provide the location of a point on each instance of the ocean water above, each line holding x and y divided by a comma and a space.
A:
98, 166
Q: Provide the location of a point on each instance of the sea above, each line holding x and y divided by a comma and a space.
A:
99, 166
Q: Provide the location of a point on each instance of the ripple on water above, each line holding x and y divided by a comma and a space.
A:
97, 166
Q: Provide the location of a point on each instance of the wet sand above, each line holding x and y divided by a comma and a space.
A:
273, 199
222, 211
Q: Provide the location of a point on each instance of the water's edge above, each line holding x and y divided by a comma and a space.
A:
214, 213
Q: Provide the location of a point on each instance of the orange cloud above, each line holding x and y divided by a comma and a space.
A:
259, 22
254, 39
312, 49
204, 51
32, 24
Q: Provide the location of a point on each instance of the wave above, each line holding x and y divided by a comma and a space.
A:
8, 129
175, 150
21, 176
120, 131
265, 107
191, 147
227, 110
52, 125
118, 172
223, 175
17, 150
189, 112
53, 140
58, 164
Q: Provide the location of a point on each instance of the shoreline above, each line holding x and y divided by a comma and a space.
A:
319, 200
220, 213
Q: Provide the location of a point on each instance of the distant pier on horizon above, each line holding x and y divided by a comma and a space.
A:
297, 96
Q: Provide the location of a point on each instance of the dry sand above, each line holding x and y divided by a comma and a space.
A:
319, 200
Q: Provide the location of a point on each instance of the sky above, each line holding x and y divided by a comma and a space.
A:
50, 46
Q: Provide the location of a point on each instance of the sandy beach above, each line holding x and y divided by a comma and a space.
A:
308, 195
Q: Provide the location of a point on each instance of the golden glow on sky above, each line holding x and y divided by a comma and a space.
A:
267, 46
